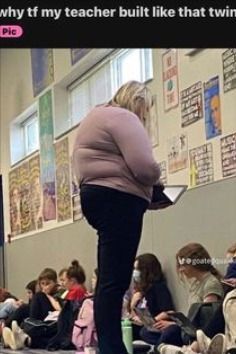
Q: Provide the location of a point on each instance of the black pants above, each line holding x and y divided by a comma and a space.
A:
18, 315
118, 218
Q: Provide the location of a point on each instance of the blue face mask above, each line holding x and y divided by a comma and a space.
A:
136, 275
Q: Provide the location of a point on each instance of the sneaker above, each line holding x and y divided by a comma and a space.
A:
203, 341
8, 338
19, 335
217, 345
172, 349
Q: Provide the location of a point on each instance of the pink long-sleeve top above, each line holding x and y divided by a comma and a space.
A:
113, 149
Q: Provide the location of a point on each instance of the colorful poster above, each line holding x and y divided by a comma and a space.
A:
78, 53
77, 212
191, 104
25, 202
63, 180
212, 108
47, 156
163, 169
228, 155
229, 69
201, 165
151, 123
177, 153
74, 179
170, 79
42, 69
35, 193
14, 198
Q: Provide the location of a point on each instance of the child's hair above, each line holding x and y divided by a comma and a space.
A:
195, 255
150, 269
62, 271
32, 286
76, 271
49, 274
232, 249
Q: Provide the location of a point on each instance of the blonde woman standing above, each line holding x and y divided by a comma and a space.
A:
114, 162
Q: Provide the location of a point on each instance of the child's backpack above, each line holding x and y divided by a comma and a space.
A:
84, 331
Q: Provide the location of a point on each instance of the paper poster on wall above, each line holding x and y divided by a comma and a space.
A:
151, 123
191, 104
177, 153
163, 168
78, 53
74, 179
14, 198
25, 201
228, 155
77, 212
63, 189
212, 108
47, 156
42, 69
229, 69
36, 193
170, 79
201, 165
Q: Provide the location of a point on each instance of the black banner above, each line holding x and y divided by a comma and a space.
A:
109, 23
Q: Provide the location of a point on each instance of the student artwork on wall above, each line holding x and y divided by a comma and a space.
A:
191, 104
78, 53
74, 179
35, 193
229, 69
151, 123
77, 212
170, 79
163, 169
63, 189
25, 200
212, 108
228, 155
201, 165
47, 156
14, 198
42, 69
177, 153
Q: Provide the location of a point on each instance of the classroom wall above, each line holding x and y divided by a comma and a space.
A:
205, 214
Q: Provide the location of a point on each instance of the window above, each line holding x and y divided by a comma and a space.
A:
24, 134
100, 83
31, 134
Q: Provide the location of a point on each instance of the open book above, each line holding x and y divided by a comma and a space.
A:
184, 322
164, 196
146, 318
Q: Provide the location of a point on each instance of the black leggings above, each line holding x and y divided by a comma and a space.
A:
118, 218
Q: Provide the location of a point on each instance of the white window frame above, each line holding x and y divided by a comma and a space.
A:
18, 134
114, 62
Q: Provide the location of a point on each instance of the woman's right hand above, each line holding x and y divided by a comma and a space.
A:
162, 316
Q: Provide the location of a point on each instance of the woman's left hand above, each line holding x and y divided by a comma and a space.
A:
163, 324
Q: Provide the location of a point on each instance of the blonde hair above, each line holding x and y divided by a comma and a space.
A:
134, 96
195, 255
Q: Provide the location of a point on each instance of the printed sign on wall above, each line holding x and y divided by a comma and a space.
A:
201, 165
177, 153
228, 155
191, 104
163, 169
229, 69
212, 108
170, 79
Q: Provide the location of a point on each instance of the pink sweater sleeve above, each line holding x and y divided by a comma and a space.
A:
135, 146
